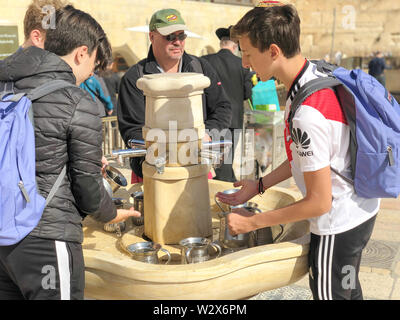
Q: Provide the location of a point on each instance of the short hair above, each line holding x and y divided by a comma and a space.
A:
75, 28
267, 25
34, 15
224, 42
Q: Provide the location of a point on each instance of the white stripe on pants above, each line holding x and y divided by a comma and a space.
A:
63, 270
325, 252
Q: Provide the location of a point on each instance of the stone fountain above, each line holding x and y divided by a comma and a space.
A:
179, 203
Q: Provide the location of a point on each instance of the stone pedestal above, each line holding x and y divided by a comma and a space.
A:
176, 201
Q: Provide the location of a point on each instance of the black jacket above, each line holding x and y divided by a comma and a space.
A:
236, 81
131, 101
67, 131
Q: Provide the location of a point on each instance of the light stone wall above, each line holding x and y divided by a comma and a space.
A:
362, 26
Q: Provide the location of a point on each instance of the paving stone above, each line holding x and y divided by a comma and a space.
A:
384, 272
303, 282
292, 292
397, 269
380, 254
387, 226
396, 290
376, 286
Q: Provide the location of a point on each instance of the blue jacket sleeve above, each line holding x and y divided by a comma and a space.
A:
106, 99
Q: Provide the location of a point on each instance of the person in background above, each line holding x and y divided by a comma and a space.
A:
97, 88
237, 84
167, 54
68, 133
376, 68
112, 81
34, 33
341, 222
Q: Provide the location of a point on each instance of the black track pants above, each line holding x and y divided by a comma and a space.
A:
41, 269
334, 263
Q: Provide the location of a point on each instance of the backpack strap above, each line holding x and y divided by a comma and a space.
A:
35, 94
6, 88
56, 185
308, 89
47, 88
44, 90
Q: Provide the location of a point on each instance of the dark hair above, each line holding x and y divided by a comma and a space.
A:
267, 25
75, 28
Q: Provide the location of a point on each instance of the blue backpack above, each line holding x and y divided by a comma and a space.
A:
374, 119
21, 206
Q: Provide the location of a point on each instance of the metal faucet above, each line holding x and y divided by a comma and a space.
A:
128, 153
212, 153
159, 163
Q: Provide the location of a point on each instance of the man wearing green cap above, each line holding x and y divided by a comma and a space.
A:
167, 54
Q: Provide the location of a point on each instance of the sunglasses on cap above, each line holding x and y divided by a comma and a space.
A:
172, 37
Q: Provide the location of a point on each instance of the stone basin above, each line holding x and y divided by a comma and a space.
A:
111, 273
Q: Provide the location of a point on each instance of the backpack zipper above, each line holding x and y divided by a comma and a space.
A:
390, 153
23, 190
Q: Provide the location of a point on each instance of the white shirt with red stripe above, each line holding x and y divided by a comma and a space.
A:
321, 138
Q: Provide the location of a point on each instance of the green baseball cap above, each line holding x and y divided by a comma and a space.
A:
167, 21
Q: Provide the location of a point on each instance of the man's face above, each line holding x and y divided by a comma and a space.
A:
260, 62
162, 47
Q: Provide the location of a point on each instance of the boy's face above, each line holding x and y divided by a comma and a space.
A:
260, 62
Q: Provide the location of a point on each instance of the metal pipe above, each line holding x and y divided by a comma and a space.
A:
131, 153
212, 152
134, 143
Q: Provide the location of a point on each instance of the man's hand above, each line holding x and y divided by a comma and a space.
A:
109, 112
206, 138
104, 164
123, 214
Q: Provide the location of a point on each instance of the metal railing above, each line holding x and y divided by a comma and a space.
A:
112, 139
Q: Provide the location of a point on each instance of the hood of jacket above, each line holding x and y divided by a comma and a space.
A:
35, 62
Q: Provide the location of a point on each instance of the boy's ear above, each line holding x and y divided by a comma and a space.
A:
81, 54
275, 51
37, 38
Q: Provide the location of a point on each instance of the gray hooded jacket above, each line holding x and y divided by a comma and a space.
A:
67, 131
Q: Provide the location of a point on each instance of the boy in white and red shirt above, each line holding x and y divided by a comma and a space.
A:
341, 222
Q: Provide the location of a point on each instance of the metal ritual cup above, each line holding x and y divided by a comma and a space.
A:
147, 252
115, 178
138, 205
225, 208
263, 236
239, 240
195, 249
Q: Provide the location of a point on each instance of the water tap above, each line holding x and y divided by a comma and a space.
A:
159, 163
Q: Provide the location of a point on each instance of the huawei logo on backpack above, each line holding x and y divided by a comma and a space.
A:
302, 140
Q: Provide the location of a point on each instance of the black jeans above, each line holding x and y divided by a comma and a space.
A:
42, 269
334, 263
